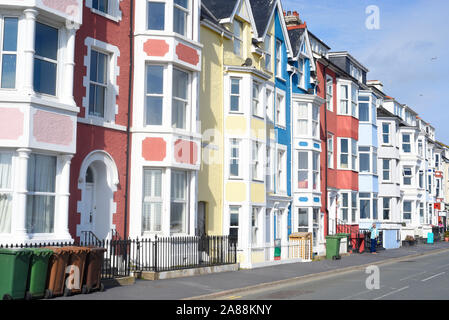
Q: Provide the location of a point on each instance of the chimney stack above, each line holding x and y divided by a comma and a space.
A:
376, 84
292, 19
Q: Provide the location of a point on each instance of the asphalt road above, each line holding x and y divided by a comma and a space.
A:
420, 278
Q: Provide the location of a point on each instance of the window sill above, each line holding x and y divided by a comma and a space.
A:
281, 79
258, 180
258, 117
240, 113
235, 178
282, 126
117, 18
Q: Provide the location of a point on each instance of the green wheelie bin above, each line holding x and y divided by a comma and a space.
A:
333, 247
37, 277
14, 266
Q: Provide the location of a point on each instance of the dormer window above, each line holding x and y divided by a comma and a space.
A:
267, 44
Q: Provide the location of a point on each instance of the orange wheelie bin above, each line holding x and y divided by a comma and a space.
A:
75, 269
92, 274
56, 271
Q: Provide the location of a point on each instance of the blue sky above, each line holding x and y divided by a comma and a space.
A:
409, 53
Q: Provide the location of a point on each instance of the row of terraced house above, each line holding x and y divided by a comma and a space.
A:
190, 117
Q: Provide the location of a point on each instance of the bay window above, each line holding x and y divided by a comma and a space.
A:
180, 16
45, 59
238, 38
354, 101
180, 99
154, 98
156, 15
421, 179
269, 104
5, 192
235, 95
152, 200
421, 212
178, 205
98, 83
40, 211
8, 52
234, 160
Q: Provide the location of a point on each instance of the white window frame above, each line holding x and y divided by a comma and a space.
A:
278, 58
104, 85
315, 121
301, 73
301, 119
158, 95
302, 170
111, 109
7, 191
386, 134
386, 200
187, 14
281, 169
235, 143
329, 93
302, 227
187, 102
407, 176
113, 12
238, 38
351, 99
267, 53
255, 228
352, 154
256, 161
185, 201
330, 150
153, 200
269, 104
231, 79
369, 198
280, 109
384, 170
234, 209
5, 52
56, 62
406, 143
256, 101
404, 212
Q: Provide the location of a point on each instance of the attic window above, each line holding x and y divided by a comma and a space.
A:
238, 43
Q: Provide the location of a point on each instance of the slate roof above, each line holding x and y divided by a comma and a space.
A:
221, 9
262, 10
295, 39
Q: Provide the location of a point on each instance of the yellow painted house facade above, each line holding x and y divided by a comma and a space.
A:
238, 101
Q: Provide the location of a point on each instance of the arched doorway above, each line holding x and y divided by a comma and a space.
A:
98, 183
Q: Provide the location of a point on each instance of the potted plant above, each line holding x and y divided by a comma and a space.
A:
409, 241
446, 236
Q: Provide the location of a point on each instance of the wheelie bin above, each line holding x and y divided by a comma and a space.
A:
14, 266
37, 276
92, 275
75, 270
347, 236
333, 247
56, 271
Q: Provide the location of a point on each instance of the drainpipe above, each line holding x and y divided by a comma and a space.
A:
291, 138
326, 231
128, 125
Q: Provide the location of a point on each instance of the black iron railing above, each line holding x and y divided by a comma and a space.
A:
122, 257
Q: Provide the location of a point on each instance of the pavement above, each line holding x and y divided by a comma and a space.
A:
228, 284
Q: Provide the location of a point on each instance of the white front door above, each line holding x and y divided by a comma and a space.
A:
88, 217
